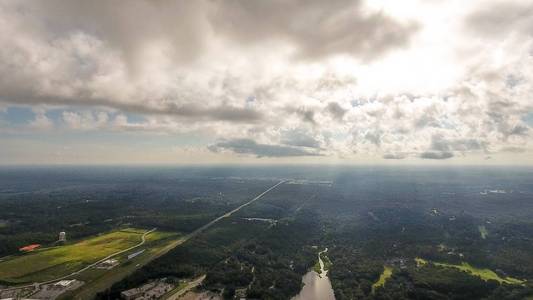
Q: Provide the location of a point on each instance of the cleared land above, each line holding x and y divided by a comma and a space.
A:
97, 280
323, 261
387, 273
484, 274
49, 263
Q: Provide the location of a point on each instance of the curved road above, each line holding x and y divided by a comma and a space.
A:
143, 240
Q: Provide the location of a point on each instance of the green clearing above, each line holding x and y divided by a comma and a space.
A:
100, 280
325, 259
49, 263
420, 262
484, 274
387, 273
483, 231
317, 268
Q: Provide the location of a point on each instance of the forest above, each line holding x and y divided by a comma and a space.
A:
369, 221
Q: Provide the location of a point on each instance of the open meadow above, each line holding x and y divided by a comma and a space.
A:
484, 274
52, 262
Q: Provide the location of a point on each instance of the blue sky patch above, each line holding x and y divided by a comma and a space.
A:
16, 115
528, 118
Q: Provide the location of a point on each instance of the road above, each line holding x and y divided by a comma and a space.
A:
143, 239
199, 230
191, 285
204, 227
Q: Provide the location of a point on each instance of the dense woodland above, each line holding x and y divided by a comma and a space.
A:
368, 220
86, 205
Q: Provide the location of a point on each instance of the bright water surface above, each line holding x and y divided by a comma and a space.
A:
316, 286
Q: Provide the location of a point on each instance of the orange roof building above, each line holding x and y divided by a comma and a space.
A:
30, 247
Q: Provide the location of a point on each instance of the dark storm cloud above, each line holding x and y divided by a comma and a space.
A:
499, 121
519, 130
502, 18
394, 156
439, 143
248, 146
336, 110
436, 155
131, 27
52, 51
316, 28
513, 150
299, 138
305, 114
217, 113
308, 116
374, 137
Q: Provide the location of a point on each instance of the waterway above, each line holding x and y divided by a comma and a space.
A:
316, 286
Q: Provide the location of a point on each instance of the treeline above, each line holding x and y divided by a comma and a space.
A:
395, 236
180, 205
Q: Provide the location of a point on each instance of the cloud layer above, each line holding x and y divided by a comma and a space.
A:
345, 79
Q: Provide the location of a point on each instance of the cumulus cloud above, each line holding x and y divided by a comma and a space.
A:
440, 143
503, 18
248, 146
299, 138
344, 78
436, 155
513, 150
85, 121
394, 156
93, 53
314, 28
336, 110
41, 120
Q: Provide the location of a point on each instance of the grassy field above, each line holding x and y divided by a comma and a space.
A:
158, 243
49, 263
387, 273
325, 260
485, 274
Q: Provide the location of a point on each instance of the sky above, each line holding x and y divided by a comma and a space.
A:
262, 82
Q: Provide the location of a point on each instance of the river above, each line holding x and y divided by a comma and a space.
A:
316, 286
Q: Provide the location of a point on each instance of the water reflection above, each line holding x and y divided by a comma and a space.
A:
316, 286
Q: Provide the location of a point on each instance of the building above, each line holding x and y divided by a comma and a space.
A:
64, 283
135, 254
108, 264
29, 248
62, 236
151, 290
137, 292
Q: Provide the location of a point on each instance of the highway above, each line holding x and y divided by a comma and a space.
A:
199, 230
191, 285
143, 240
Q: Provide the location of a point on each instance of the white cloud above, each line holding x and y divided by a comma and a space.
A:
352, 78
41, 121
86, 120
